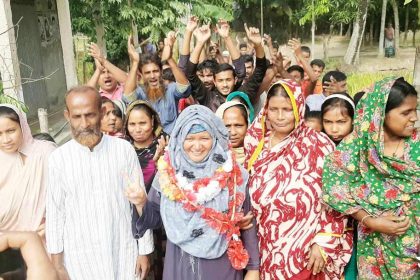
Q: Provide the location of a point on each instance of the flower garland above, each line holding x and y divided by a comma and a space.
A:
192, 196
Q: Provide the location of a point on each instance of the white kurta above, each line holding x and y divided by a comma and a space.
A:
88, 218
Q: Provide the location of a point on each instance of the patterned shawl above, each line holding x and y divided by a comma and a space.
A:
187, 229
285, 189
359, 176
22, 183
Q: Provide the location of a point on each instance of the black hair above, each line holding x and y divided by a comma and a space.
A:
105, 100
319, 63
296, 68
9, 113
357, 97
336, 102
243, 111
312, 114
305, 49
117, 111
338, 76
168, 75
400, 90
247, 58
147, 58
210, 64
43, 136
276, 90
243, 45
224, 67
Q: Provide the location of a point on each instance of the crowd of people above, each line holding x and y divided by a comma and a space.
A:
234, 162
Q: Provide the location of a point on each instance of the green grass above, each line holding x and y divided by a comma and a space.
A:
358, 81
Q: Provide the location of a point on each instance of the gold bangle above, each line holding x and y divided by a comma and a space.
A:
363, 219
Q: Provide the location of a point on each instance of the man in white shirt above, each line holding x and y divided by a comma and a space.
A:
88, 218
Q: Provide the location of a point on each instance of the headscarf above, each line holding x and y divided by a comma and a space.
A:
239, 151
181, 225
285, 189
22, 183
359, 176
244, 97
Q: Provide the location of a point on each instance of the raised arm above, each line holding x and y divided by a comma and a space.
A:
119, 75
295, 45
223, 29
167, 55
131, 83
202, 35
93, 81
189, 29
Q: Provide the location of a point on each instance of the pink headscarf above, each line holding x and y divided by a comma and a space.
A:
22, 181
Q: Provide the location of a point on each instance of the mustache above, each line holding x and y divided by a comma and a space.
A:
86, 136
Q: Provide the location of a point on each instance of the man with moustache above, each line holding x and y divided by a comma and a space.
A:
88, 218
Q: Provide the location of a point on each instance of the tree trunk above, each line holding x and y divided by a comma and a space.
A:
407, 15
313, 30
394, 5
348, 32
100, 32
371, 30
414, 37
352, 53
341, 29
382, 29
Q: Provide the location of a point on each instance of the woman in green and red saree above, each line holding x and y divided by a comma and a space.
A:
374, 176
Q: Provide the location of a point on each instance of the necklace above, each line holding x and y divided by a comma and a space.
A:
394, 154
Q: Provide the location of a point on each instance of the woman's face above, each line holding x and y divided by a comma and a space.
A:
237, 126
399, 122
108, 122
280, 115
336, 124
140, 127
198, 145
11, 136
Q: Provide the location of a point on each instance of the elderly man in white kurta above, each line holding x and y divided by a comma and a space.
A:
88, 218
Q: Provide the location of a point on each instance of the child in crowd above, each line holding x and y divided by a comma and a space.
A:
313, 119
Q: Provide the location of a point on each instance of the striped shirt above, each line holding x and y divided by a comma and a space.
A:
88, 218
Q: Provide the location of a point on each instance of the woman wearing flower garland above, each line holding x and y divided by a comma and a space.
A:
374, 175
299, 237
199, 194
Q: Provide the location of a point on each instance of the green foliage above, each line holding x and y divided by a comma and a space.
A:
6, 99
358, 81
154, 18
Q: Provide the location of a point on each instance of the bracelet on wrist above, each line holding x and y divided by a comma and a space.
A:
364, 218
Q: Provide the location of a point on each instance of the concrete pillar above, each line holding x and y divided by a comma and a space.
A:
9, 62
63, 11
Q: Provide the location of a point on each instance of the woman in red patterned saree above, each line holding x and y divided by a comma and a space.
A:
299, 237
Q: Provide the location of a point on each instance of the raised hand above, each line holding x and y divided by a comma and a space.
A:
203, 33
223, 28
192, 23
267, 38
253, 35
95, 52
135, 193
132, 53
160, 149
295, 45
169, 43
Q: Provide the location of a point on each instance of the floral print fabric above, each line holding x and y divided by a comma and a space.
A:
359, 176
